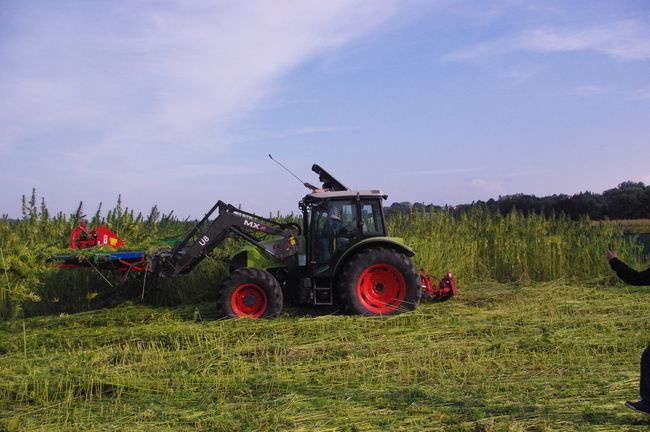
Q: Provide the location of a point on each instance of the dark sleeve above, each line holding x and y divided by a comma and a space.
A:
629, 275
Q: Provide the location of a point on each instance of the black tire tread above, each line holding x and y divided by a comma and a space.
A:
347, 279
250, 275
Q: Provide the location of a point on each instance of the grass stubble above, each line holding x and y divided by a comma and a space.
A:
516, 357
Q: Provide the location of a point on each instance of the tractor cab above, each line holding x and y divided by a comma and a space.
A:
339, 220
336, 219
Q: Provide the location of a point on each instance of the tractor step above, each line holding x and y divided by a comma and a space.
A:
323, 294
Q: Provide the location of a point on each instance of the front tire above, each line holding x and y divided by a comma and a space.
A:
379, 281
250, 292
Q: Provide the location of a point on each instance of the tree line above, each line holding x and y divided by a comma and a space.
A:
629, 200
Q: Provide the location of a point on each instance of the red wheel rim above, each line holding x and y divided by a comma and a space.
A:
248, 300
381, 288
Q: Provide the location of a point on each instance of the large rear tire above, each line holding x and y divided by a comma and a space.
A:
379, 281
250, 292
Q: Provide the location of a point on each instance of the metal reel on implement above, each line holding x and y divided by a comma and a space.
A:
82, 238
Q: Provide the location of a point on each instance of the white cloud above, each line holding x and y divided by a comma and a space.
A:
131, 84
521, 74
210, 170
526, 173
265, 135
483, 185
627, 40
438, 172
143, 98
591, 90
492, 10
641, 94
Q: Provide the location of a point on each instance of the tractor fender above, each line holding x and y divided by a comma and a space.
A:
395, 243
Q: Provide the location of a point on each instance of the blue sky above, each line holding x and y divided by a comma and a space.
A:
178, 103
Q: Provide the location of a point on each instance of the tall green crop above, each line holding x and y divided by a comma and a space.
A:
28, 283
481, 245
476, 246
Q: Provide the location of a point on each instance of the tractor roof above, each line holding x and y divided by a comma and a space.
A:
334, 189
320, 196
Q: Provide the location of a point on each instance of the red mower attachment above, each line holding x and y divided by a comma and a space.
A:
445, 289
81, 238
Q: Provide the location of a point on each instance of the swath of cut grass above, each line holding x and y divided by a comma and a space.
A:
552, 356
633, 226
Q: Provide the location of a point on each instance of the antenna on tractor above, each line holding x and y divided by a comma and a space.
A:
305, 184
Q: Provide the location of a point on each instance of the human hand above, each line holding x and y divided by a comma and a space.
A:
611, 255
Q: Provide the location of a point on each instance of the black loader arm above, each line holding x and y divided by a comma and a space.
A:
231, 221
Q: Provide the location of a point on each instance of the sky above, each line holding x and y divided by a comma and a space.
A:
178, 103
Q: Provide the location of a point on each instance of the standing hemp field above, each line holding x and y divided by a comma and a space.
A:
485, 246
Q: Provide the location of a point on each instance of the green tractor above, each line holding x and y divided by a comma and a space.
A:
342, 254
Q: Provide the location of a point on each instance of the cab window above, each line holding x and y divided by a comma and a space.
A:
333, 226
371, 217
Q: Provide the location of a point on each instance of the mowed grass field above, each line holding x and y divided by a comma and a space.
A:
502, 357
635, 226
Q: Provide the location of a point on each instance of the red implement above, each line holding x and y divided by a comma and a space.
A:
81, 238
445, 289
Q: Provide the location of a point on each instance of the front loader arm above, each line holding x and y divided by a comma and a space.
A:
231, 221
